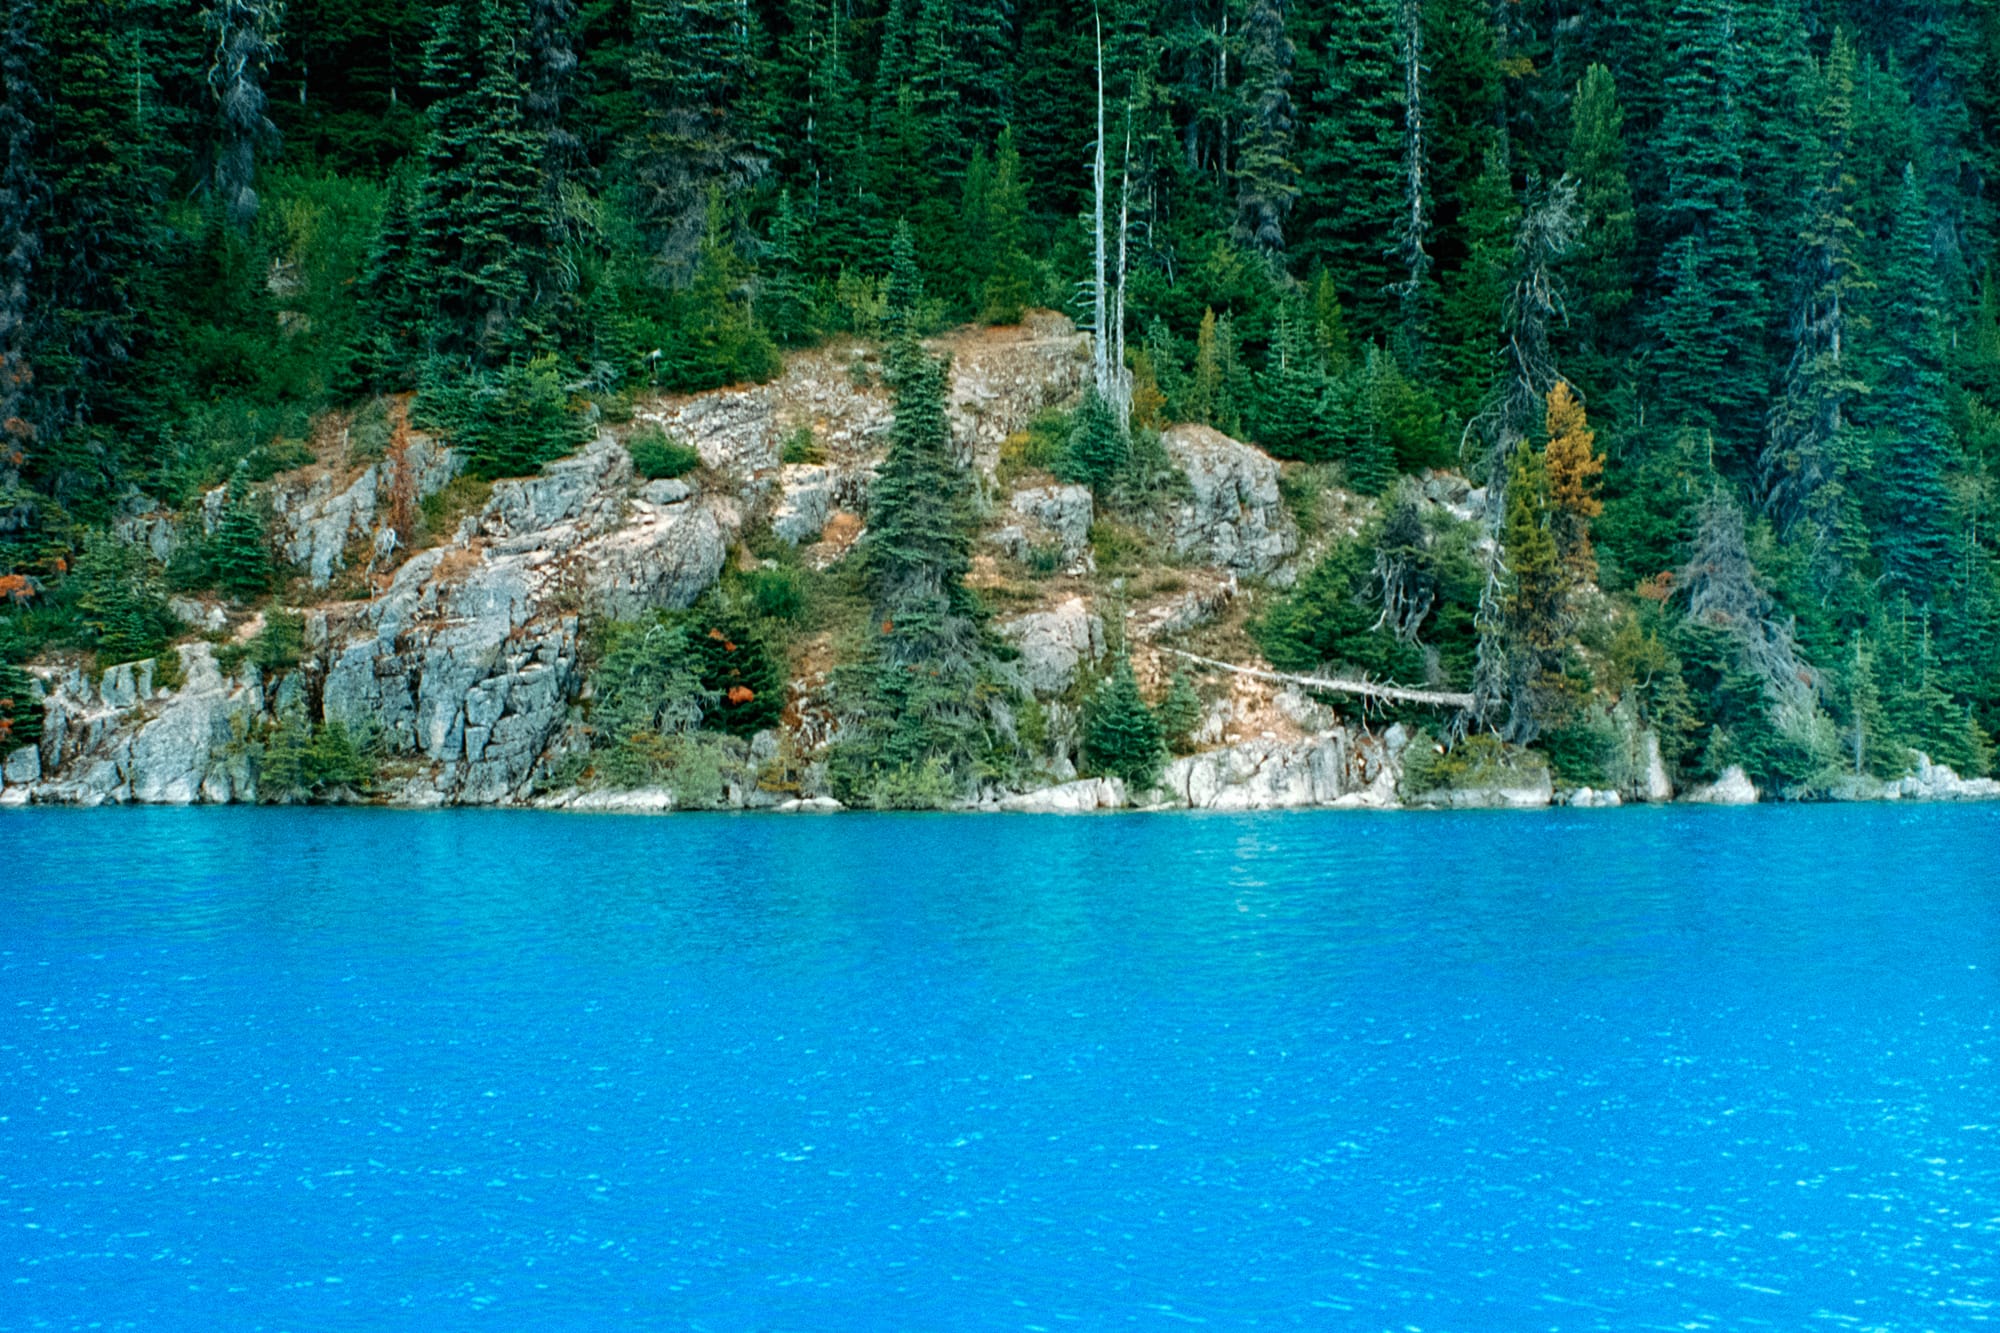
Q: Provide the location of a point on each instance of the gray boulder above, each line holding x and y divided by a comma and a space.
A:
1235, 517
1334, 770
1732, 788
1084, 796
1056, 645
806, 501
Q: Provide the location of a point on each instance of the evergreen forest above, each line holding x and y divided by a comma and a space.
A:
1704, 294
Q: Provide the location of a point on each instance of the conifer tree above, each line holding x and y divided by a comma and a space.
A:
1330, 323
1179, 714
1096, 452
1266, 179
1350, 150
784, 301
552, 70
1913, 438
1711, 365
1472, 296
1599, 267
822, 107
1814, 462
479, 219
1923, 710
1292, 389
1871, 745
20, 711
1574, 468
917, 726
1779, 92
918, 548
240, 550
391, 309
1007, 285
122, 615
692, 64
1535, 610
98, 230
23, 200
1121, 736
1052, 117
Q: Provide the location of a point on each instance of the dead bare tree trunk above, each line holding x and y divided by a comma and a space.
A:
1100, 350
1360, 689
1111, 379
1415, 228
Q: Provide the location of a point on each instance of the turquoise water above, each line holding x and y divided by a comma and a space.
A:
329, 1070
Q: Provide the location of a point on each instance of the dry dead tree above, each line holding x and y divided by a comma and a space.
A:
1359, 688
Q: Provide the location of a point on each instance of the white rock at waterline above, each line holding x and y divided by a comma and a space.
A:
1072, 798
1732, 788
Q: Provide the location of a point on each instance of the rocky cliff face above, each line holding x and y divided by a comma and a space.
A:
460, 662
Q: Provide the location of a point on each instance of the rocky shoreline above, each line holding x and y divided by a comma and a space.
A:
123, 740
462, 663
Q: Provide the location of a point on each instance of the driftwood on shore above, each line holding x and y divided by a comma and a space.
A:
1359, 688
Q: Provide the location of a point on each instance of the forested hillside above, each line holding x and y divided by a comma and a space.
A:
1701, 292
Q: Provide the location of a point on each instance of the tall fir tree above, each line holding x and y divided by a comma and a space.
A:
1913, 436
23, 199
1350, 151
1599, 269
99, 237
1814, 463
550, 105
1266, 177
1710, 364
481, 214
692, 66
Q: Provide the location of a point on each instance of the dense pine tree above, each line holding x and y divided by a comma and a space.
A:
1350, 149
1711, 366
1913, 443
1814, 458
1665, 259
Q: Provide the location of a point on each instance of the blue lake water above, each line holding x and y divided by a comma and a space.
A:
329, 1070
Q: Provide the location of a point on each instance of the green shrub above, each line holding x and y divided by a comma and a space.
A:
925, 785
507, 424
169, 672
1038, 447
801, 447
280, 643
369, 434
442, 509
299, 761
1586, 751
776, 594
20, 714
1043, 558
656, 455
1477, 761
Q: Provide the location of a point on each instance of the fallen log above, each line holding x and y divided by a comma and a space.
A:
1359, 688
